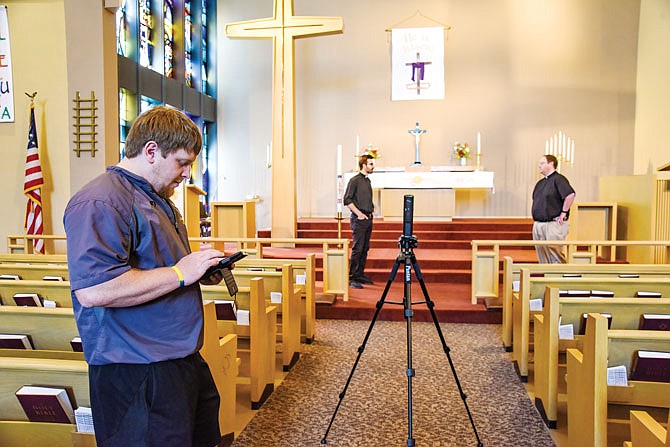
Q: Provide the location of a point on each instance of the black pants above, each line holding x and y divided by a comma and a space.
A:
362, 230
168, 404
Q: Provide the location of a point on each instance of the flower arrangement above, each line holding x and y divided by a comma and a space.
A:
462, 150
372, 151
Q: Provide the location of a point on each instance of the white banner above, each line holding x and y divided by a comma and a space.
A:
6, 85
417, 63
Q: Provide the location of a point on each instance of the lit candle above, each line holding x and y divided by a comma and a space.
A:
546, 147
572, 151
339, 159
479, 143
340, 180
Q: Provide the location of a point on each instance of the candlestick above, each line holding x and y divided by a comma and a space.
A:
479, 143
546, 147
339, 159
572, 152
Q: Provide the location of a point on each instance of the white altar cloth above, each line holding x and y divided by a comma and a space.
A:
428, 180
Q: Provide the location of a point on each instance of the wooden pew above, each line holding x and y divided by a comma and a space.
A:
512, 272
533, 287
221, 356
13, 258
588, 393
50, 329
257, 342
15, 429
625, 315
34, 271
288, 325
58, 291
646, 431
305, 267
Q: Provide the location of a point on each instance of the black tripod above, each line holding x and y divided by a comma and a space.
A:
407, 258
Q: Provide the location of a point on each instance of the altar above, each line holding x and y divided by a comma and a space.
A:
434, 190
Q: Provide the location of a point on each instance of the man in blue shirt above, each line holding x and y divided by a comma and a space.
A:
136, 294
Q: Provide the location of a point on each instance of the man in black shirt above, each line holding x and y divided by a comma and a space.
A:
552, 198
358, 198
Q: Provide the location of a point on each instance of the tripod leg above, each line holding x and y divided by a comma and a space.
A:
361, 348
445, 348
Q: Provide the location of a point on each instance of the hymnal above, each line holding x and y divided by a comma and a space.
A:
243, 317
275, 297
45, 404
655, 322
84, 418
617, 376
651, 366
537, 275
602, 293
53, 278
643, 294
225, 310
582, 325
572, 275
8, 276
16, 341
28, 299
76, 344
255, 269
574, 293
628, 275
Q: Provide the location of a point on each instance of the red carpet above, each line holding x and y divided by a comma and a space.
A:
444, 256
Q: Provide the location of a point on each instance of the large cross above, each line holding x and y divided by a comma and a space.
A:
282, 29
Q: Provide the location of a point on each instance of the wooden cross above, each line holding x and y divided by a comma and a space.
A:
282, 29
418, 69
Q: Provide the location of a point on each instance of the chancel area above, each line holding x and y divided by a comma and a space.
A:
459, 105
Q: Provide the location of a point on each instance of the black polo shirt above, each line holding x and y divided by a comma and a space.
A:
359, 192
548, 197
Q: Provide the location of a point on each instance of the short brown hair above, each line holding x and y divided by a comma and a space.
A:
552, 159
169, 128
363, 160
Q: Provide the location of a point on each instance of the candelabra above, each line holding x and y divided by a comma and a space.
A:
562, 147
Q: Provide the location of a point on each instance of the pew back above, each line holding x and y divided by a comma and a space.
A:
58, 291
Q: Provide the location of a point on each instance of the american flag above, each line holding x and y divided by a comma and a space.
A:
32, 186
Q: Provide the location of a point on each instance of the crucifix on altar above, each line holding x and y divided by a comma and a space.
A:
283, 28
417, 132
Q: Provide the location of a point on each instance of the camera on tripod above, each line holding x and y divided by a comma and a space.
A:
408, 240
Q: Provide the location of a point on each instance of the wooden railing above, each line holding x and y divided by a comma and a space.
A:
335, 253
486, 257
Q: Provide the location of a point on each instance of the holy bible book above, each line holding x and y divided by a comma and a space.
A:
16, 341
651, 366
655, 322
28, 299
76, 344
46, 404
225, 310
644, 294
582, 324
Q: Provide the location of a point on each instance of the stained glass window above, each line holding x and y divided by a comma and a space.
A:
146, 33
122, 30
126, 117
168, 39
203, 65
188, 43
147, 103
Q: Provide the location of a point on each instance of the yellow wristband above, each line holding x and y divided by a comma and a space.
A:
179, 274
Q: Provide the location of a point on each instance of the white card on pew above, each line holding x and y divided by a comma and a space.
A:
275, 297
566, 332
49, 303
84, 419
617, 376
301, 279
243, 317
53, 278
516, 285
535, 304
